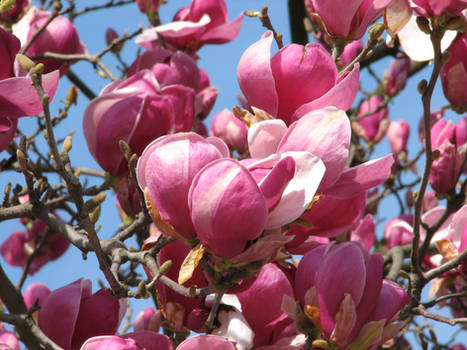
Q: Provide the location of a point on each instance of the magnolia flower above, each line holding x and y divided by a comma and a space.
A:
60, 36
346, 19
70, 315
295, 81
395, 78
203, 22
136, 110
373, 126
450, 140
349, 303
230, 129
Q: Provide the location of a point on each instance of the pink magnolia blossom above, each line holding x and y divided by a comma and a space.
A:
372, 128
295, 81
364, 232
203, 22
149, 6
18, 247
181, 312
429, 201
430, 8
227, 207
230, 129
8, 340
268, 289
353, 305
9, 47
7, 131
167, 168
398, 135
346, 19
60, 36
454, 72
395, 78
13, 15
206, 341
71, 314
142, 340
148, 320
451, 237
450, 141
177, 68
136, 110
19, 98
398, 231
350, 52
325, 134
36, 292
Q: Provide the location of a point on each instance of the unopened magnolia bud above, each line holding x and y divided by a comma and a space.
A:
71, 97
94, 216
22, 160
165, 267
376, 31
25, 62
252, 13
133, 162
67, 144
435, 155
424, 25
455, 23
422, 85
125, 149
39, 68
142, 290
95, 201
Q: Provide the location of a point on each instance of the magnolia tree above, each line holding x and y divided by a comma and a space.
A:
269, 231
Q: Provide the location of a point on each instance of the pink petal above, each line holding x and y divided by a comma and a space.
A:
291, 66
59, 312
324, 133
390, 300
227, 207
264, 137
341, 95
36, 291
334, 278
254, 70
223, 33
206, 342
19, 98
362, 177
149, 340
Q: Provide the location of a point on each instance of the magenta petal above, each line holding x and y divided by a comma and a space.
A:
290, 67
268, 289
223, 33
275, 182
12, 249
59, 312
334, 278
98, 315
337, 15
227, 207
36, 291
365, 233
107, 342
254, 71
307, 269
341, 95
362, 177
390, 300
373, 284
19, 98
264, 137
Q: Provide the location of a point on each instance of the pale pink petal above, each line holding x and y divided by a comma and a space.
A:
223, 33
254, 70
362, 177
264, 137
